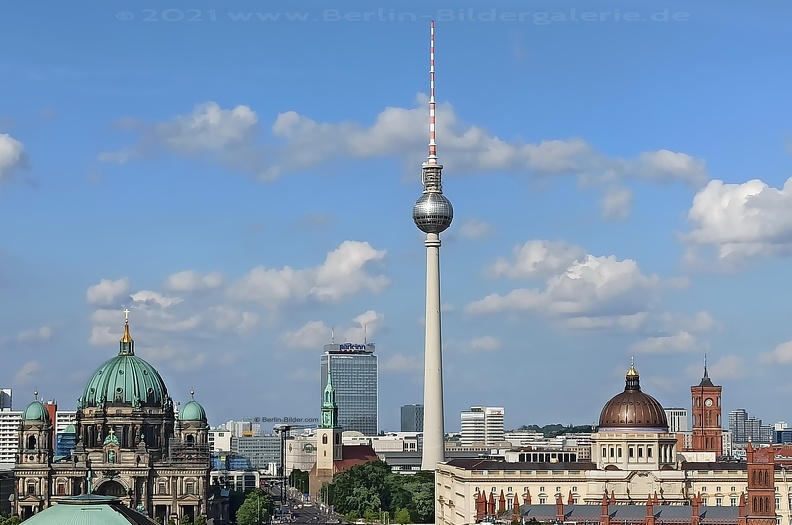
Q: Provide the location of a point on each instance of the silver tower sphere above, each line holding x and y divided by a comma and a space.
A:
433, 213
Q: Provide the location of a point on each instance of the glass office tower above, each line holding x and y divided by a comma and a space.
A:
355, 381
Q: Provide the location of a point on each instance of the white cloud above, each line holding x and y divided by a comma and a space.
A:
12, 155
107, 291
485, 344
781, 354
475, 229
38, 335
679, 334
537, 258
680, 342
315, 334
401, 363
739, 222
230, 137
224, 136
28, 371
590, 292
178, 358
343, 273
229, 318
190, 281
727, 367
616, 204
154, 298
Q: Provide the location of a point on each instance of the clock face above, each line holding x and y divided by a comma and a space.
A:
708, 402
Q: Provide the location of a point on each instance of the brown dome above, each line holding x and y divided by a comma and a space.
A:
633, 409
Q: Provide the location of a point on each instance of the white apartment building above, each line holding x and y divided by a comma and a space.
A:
678, 419
64, 418
482, 425
220, 440
9, 436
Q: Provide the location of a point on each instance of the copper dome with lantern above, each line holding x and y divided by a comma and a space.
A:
633, 409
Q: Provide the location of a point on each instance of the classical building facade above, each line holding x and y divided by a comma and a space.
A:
130, 445
634, 460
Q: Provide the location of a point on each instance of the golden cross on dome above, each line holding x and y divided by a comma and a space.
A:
126, 314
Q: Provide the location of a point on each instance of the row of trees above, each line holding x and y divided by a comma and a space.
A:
368, 490
558, 429
256, 509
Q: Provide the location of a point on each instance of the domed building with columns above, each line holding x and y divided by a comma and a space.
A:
634, 463
131, 445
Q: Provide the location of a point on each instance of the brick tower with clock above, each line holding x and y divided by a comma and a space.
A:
707, 435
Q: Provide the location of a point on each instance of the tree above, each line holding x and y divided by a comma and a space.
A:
402, 516
299, 480
10, 520
256, 509
200, 520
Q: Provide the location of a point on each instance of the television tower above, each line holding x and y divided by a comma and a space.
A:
432, 214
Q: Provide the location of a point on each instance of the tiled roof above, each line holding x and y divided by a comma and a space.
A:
490, 464
631, 513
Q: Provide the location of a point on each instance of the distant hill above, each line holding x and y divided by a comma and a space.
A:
558, 429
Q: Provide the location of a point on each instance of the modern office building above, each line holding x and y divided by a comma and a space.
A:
355, 381
5, 399
482, 425
412, 418
262, 451
678, 420
745, 428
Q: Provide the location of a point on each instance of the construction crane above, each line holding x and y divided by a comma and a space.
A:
284, 430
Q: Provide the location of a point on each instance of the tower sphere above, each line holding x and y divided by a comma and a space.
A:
433, 213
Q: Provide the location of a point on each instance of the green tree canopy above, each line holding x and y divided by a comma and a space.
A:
256, 509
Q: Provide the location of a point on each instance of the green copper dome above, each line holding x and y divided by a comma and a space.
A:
125, 380
35, 411
192, 411
88, 509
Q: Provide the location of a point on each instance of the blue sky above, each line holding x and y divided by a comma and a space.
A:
244, 186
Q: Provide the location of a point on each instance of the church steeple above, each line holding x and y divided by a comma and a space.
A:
329, 406
127, 344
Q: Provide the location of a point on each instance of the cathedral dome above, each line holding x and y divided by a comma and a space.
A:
35, 411
633, 410
192, 411
125, 380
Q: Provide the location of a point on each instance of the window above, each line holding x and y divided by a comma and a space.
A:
162, 488
574, 488
718, 502
61, 489
619, 452
190, 487
705, 501
493, 489
542, 501
640, 452
733, 502
574, 501
717, 489
604, 452
510, 490
31, 488
558, 489
525, 490
733, 489
703, 489
541, 489
778, 503
648, 452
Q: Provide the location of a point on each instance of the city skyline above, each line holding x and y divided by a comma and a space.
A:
242, 198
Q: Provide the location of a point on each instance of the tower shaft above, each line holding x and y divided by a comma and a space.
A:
434, 428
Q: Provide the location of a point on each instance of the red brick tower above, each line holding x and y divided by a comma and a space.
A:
761, 486
707, 427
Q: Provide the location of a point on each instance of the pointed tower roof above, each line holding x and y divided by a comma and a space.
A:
705, 380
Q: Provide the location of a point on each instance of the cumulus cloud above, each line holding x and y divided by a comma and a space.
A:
401, 363
190, 281
230, 318
537, 258
154, 298
231, 137
679, 334
107, 291
585, 292
733, 224
485, 344
343, 273
38, 335
12, 155
781, 354
727, 367
475, 229
227, 137
616, 204
27, 373
315, 334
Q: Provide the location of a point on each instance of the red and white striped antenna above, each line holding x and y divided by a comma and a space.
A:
432, 144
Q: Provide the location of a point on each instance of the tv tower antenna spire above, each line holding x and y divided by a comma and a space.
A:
432, 215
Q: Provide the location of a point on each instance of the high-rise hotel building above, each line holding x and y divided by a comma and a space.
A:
355, 381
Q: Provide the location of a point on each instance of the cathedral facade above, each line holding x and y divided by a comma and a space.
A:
130, 444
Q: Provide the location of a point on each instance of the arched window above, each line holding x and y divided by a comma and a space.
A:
190, 439
338, 439
324, 439
31, 442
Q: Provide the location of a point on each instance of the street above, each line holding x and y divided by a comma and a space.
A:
302, 512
